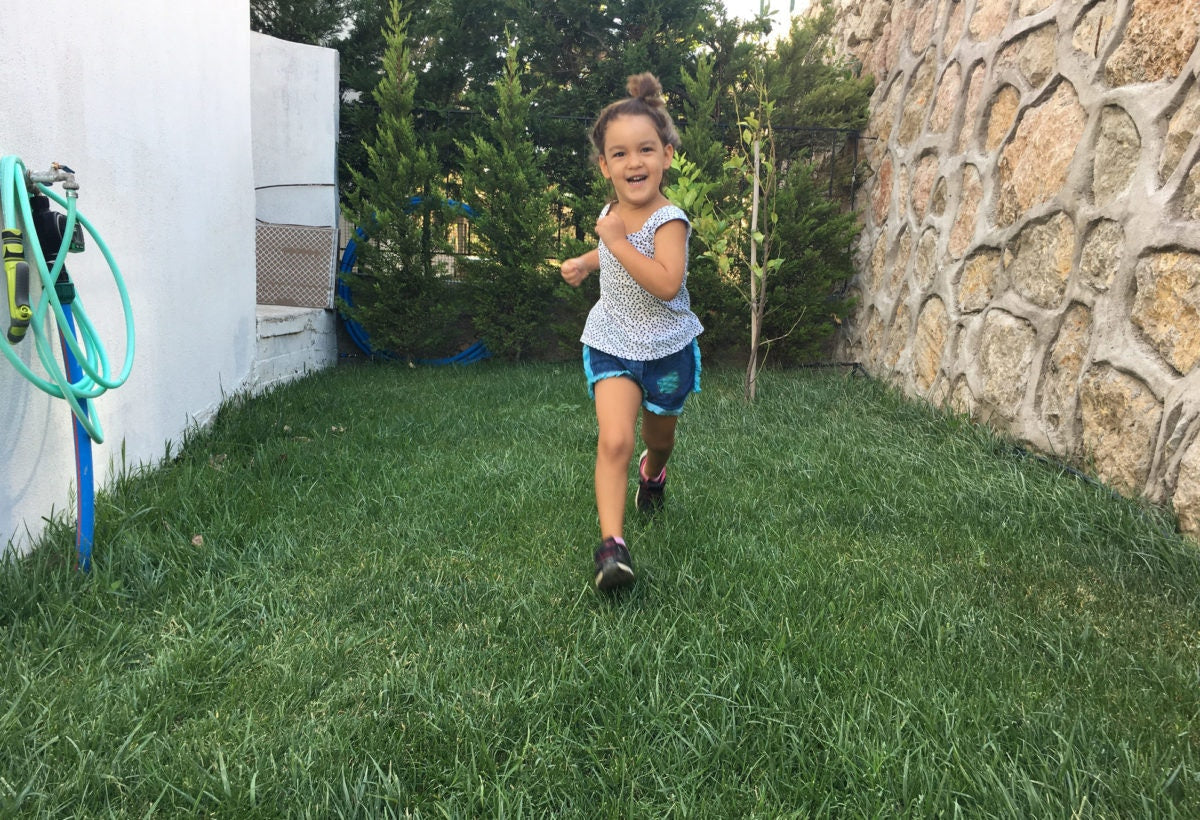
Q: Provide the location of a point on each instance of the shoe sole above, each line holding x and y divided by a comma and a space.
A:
614, 575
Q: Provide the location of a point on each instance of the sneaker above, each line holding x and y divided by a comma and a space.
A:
649, 498
614, 568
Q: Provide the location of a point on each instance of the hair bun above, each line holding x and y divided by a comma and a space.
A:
647, 88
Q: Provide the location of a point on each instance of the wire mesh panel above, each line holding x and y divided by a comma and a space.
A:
295, 265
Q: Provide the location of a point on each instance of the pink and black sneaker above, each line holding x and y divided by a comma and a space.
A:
649, 498
614, 567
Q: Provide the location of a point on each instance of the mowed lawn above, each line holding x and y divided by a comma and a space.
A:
368, 594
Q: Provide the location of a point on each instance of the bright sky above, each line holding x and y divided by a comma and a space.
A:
748, 9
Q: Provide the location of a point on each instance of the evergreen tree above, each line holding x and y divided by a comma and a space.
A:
813, 88
360, 58
512, 283
806, 298
313, 22
700, 171
399, 297
699, 139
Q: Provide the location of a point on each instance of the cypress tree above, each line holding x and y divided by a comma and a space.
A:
511, 282
399, 295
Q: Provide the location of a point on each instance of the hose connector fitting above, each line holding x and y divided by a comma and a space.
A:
57, 173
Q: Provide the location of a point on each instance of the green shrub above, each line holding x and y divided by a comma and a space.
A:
512, 280
399, 295
805, 297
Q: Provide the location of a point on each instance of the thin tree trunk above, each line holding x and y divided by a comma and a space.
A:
757, 288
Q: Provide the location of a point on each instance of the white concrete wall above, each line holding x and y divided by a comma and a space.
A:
294, 97
294, 113
150, 103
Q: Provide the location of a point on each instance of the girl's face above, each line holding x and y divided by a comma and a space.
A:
635, 159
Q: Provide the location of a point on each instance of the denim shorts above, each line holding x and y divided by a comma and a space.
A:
665, 382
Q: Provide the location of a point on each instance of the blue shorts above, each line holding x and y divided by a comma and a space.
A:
665, 382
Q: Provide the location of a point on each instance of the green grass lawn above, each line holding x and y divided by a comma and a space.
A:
369, 594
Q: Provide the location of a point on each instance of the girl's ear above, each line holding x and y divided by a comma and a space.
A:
603, 167
670, 152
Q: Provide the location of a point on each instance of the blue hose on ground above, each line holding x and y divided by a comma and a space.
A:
358, 334
85, 505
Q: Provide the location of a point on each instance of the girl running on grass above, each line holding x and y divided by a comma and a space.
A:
639, 342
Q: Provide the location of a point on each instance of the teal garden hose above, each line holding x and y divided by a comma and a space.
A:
86, 373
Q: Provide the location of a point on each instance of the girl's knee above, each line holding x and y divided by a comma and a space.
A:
615, 447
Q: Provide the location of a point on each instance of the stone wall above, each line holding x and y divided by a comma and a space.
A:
1031, 244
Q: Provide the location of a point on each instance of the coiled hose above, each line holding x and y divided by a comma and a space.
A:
87, 374
96, 374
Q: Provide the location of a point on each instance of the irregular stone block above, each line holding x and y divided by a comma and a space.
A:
898, 335
916, 102
883, 115
1002, 113
1038, 263
1156, 43
1032, 54
948, 94
989, 19
954, 26
1120, 416
963, 229
1184, 125
881, 196
1060, 375
1167, 306
1189, 201
868, 24
878, 263
1103, 247
1186, 499
937, 205
1118, 146
977, 282
899, 266
930, 341
1033, 166
922, 184
872, 341
1005, 354
1094, 28
924, 264
922, 26
1028, 7
970, 123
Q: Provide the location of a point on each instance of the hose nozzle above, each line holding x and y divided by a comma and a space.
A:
16, 274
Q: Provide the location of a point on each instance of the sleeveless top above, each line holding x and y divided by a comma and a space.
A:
630, 322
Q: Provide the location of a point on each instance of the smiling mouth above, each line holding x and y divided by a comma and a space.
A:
634, 180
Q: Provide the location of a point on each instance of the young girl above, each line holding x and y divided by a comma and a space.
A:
639, 342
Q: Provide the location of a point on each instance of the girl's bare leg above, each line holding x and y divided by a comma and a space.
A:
659, 434
617, 402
